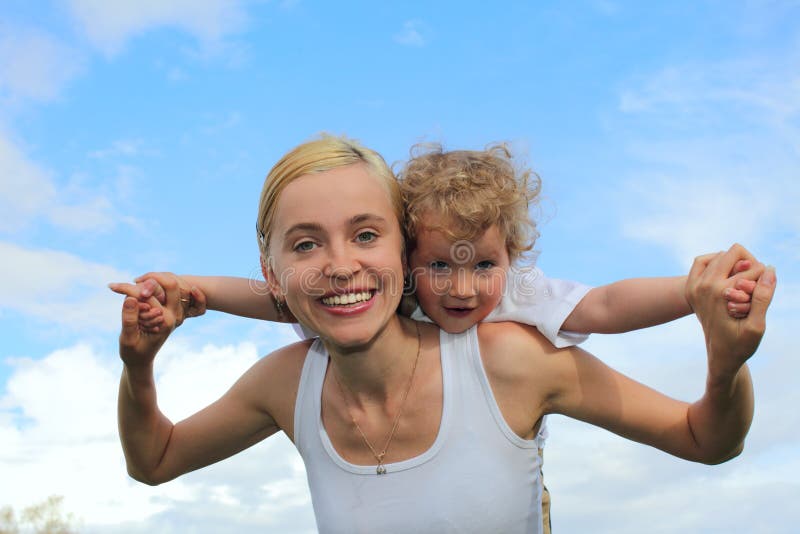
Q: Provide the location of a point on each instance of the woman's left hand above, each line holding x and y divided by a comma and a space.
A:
730, 340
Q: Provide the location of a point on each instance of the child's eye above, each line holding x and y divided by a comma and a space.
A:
439, 265
366, 237
483, 265
305, 246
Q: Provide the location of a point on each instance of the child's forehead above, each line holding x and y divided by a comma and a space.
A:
443, 239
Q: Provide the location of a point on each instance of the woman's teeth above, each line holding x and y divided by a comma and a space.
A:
350, 298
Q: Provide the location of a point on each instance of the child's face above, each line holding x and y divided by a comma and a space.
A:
458, 282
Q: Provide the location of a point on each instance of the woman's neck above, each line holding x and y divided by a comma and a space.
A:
374, 371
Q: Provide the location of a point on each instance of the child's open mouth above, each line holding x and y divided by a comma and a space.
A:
458, 312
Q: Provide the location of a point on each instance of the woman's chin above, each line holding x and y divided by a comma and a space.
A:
351, 335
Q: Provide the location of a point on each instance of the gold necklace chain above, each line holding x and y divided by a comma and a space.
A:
380, 469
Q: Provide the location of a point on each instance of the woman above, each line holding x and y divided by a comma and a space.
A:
403, 427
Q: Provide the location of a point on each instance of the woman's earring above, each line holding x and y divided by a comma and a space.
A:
280, 306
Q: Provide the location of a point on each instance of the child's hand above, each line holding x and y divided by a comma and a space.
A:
147, 287
138, 346
149, 312
193, 301
739, 294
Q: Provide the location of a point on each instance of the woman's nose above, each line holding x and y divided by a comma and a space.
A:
341, 263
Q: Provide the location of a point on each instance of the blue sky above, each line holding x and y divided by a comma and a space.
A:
136, 135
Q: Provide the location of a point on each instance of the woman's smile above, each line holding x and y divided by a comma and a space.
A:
348, 304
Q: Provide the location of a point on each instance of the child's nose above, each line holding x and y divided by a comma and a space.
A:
462, 285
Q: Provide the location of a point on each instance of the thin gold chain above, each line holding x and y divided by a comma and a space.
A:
379, 456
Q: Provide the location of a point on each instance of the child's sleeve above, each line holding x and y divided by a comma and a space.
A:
532, 298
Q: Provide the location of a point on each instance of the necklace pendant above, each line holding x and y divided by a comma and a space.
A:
380, 470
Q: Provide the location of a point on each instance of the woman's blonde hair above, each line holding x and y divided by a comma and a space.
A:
468, 191
315, 156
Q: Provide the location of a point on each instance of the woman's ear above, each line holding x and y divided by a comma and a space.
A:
274, 287
269, 276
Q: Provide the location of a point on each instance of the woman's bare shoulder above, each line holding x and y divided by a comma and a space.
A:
512, 340
281, 366
519, 358
272, 382
292, 355
512, 350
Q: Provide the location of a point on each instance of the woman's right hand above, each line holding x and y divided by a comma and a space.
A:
193, 301
138, 344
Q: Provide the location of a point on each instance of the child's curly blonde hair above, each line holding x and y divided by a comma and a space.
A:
470, 190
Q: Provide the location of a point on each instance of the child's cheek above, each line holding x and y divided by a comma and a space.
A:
496, 288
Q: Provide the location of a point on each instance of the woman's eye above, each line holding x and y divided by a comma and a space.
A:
304, 246
483, 265
366, 237
438, 265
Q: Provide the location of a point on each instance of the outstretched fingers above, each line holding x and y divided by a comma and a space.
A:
129, 290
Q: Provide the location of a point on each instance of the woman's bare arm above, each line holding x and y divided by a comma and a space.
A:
530, 378
156, 450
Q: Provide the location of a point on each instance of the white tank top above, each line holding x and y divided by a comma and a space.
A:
478, 476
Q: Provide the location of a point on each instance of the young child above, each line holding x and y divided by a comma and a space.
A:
467, 228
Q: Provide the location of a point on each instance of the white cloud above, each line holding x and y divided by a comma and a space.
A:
58, 430
59, 288
120, 147
722, 163
692, 215
109, 25
761, 88
602, 483
34, 65
412, 34
29, 193
25, 188
64, 432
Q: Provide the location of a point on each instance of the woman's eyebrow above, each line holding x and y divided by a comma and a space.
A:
303, 227
317, 228
367, 217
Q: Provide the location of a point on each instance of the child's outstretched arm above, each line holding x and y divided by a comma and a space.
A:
642, 302
236, 296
